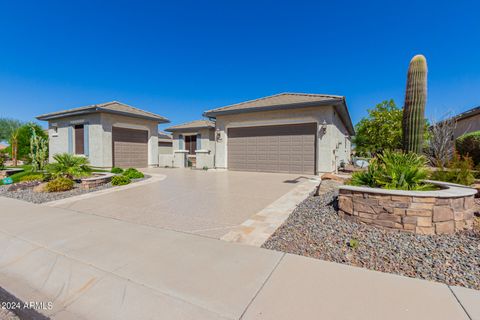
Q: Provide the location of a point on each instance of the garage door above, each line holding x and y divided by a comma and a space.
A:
130, 148
286, 148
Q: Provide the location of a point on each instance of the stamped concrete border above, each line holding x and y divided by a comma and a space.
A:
259, 227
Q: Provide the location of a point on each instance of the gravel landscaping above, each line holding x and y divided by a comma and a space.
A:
315, 230
41, 197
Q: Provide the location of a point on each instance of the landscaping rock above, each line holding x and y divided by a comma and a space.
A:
42, 187
315, 230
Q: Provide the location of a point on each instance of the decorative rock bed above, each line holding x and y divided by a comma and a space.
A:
443, 211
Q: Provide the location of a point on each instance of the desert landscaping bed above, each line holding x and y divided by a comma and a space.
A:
41, 197
315, 230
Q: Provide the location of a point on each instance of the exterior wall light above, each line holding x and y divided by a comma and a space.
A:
323, 127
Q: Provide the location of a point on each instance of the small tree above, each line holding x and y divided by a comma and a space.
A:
440, 148
10, 130
38, 150
381, 130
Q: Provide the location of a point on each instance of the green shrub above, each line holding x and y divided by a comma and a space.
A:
3, 158
116, 170
469, 145
394, 170
59, 184
32, 176
120, 180
133, 173
459, 170
69, 166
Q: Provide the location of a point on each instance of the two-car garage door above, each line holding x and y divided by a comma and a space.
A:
130, 148
285, 148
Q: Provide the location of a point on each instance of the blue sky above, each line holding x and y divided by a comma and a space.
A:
179, 58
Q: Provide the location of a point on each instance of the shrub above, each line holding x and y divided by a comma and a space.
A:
120, 180
394, 170
59, 184
69, 166
116, 170
32, 176
459, 170
469, 145
3, 158
133, 173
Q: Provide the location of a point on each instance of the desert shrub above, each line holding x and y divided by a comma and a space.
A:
394, 170
469, 145
458, 170
59, 184
32, 176
120, 180
133, 173
116, 170
69, 166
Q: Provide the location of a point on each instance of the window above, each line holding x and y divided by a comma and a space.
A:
79, 139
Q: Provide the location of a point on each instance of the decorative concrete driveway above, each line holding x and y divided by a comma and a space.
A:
208, 203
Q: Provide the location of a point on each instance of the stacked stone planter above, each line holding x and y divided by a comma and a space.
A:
97, 180
443, 211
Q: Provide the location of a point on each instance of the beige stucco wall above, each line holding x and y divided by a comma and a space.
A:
326, 143
100, 136
467, 125
58, 143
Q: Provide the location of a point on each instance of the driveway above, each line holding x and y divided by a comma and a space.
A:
208, 203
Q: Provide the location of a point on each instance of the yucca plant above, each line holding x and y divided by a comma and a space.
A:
69, 166
394, 170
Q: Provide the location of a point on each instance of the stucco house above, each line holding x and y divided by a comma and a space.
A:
287, 132
109, 134
467, 121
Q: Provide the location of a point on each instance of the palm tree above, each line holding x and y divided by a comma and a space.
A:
69, 166
10, 129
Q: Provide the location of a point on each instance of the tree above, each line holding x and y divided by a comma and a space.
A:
440, 147
381, 130
20, 140
10, 130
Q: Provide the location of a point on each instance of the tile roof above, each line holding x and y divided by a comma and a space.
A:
196, 124
281, 99
468, 113
109, 107
288, 100
164, 135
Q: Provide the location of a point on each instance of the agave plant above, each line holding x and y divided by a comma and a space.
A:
395, 170
69, 166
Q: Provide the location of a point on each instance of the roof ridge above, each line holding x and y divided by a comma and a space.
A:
276, 95
189, 122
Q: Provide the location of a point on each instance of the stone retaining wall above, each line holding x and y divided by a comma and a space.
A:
411, 213
98, 180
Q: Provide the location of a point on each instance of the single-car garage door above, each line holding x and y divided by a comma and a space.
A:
130, 148
285, 148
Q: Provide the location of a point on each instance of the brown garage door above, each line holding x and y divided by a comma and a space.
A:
130, 148
286, 148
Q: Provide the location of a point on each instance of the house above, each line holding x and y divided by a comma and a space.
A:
194, 143
165, 143
109, 134
287, 132
467, 121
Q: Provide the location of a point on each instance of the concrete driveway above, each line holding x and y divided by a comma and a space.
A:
208, 203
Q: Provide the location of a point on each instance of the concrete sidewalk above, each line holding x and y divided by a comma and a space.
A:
94, 267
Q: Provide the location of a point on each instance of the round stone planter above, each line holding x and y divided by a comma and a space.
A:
443, 211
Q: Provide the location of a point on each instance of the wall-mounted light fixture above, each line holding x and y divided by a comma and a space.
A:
218, 136
323, 127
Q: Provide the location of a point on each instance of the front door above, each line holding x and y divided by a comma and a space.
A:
191, 144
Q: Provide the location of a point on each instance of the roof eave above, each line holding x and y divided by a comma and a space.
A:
47, 117
213, 113
188, 129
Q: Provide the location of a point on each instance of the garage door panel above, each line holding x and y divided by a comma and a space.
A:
130, 147
286, 148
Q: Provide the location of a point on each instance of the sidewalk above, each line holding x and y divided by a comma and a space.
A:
94, 267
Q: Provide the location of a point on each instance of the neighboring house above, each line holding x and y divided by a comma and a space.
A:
109, 134
467, 121
287, 132
3, 147
165, 143
194, 144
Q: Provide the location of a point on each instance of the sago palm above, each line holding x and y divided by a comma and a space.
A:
69, 166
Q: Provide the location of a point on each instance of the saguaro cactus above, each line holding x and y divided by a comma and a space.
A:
414, 108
